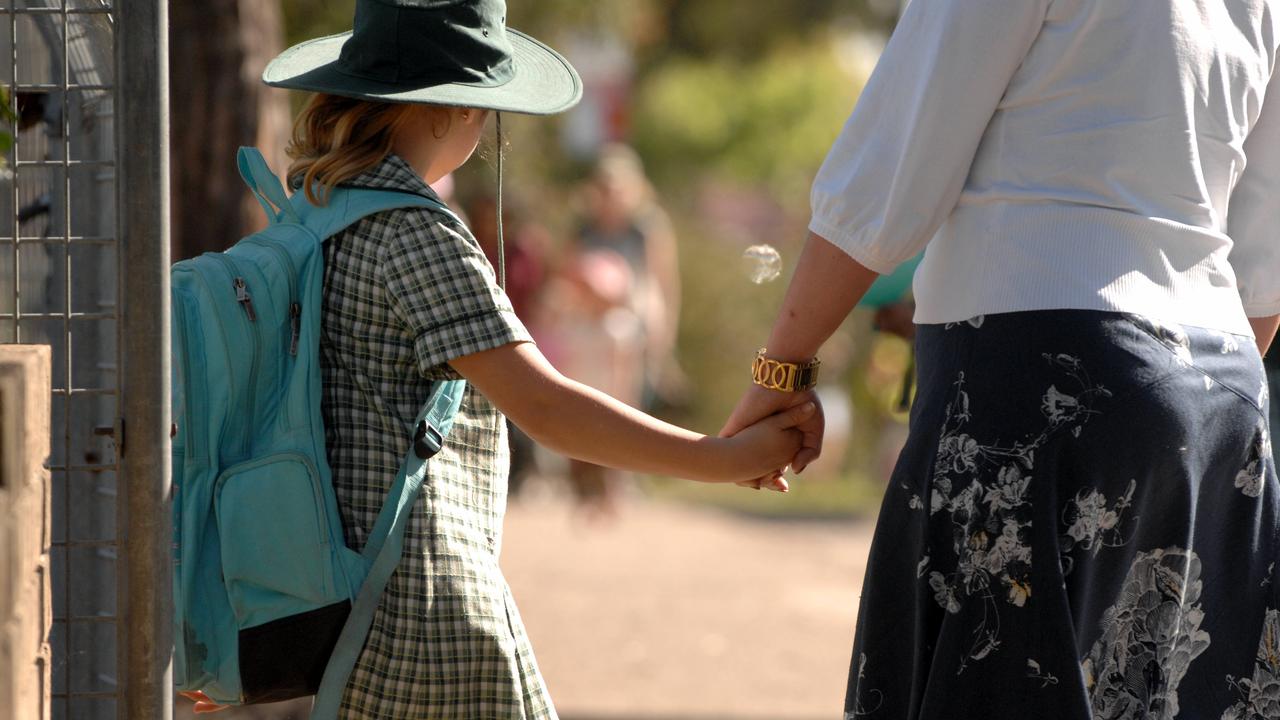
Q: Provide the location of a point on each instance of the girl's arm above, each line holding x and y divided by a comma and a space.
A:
581, 422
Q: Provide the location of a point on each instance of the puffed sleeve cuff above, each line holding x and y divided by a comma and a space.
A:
1257, 308
856, 245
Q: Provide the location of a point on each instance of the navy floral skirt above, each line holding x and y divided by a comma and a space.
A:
1082, 526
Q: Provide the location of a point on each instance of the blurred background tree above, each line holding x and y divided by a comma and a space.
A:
217, 104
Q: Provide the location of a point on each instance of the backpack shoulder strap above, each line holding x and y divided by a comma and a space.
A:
347, 206
265, 186
386, 542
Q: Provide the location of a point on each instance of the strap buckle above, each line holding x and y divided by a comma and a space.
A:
427, 441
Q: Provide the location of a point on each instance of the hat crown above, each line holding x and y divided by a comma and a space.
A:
429, 42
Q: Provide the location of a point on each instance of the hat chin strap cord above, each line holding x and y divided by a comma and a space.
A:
502, 252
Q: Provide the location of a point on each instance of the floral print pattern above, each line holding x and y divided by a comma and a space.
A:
1171, 336
1260, 695
1092, 524
1149, 639
983, 487
876, 698
1116, 448
1035, 673
1250, 477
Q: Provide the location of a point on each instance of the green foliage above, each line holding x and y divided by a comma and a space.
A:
768, 121
306, 19
751, 30
8, 116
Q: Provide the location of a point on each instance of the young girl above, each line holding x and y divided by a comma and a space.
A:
409, 298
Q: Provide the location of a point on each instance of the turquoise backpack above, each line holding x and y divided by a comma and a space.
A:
270, 603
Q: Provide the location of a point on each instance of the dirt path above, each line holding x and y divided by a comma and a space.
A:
677, 612
684, 612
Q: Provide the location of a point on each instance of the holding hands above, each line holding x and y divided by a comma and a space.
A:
761, 446
761, 404
826, 285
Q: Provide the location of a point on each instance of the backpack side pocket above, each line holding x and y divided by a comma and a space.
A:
277, 557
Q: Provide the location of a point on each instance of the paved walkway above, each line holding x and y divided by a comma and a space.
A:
682, 612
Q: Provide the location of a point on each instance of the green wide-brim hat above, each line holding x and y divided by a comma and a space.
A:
438, 52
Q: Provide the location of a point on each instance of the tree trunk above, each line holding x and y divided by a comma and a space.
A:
217, 51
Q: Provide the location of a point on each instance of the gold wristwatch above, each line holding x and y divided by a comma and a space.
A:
784, 376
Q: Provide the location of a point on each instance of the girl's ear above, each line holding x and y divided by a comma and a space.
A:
471, 116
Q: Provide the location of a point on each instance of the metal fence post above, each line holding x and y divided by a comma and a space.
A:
145, 565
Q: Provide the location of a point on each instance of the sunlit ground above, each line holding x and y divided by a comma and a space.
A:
687, 611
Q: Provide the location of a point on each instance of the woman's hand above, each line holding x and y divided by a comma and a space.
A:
758, 402
761, 450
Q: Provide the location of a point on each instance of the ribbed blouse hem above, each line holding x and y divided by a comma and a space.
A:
1013, 257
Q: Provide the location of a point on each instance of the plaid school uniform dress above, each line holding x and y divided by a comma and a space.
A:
405, 292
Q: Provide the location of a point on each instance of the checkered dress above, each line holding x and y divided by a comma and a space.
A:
406, 291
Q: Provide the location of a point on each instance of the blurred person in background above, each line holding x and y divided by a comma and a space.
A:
1085, 521
622, 214
616, 311
595, 336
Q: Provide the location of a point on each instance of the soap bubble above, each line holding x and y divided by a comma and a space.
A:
763, 263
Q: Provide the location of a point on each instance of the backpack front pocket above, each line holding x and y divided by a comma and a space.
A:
277, 559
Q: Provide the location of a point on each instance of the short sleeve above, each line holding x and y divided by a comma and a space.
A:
898, 167
442, 287
1253, 220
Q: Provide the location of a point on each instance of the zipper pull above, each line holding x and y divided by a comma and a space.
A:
295, 323
242, 297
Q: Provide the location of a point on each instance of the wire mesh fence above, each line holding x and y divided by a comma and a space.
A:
59, 286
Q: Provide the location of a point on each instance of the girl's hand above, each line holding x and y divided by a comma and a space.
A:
203, 703
758, 402
763, 449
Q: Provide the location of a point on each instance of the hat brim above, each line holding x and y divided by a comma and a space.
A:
543, 82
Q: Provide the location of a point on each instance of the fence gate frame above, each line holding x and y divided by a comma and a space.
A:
115, 51
145, 566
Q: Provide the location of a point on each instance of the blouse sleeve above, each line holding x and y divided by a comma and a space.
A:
1253, 219
443, 288
898, 166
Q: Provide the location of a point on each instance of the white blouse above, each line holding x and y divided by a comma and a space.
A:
1054, 154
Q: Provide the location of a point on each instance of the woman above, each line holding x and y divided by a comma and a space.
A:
1083, 523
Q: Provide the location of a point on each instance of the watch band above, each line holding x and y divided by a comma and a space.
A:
784, 376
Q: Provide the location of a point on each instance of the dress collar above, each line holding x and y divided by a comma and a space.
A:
393, 173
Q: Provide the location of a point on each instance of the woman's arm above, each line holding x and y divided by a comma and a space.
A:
584, 423
1253, 220
1264, 331
826, 285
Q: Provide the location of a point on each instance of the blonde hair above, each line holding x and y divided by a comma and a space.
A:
337, 138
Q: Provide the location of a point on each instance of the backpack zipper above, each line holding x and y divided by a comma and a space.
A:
291, 272
295, 324
243, 297
238, 282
